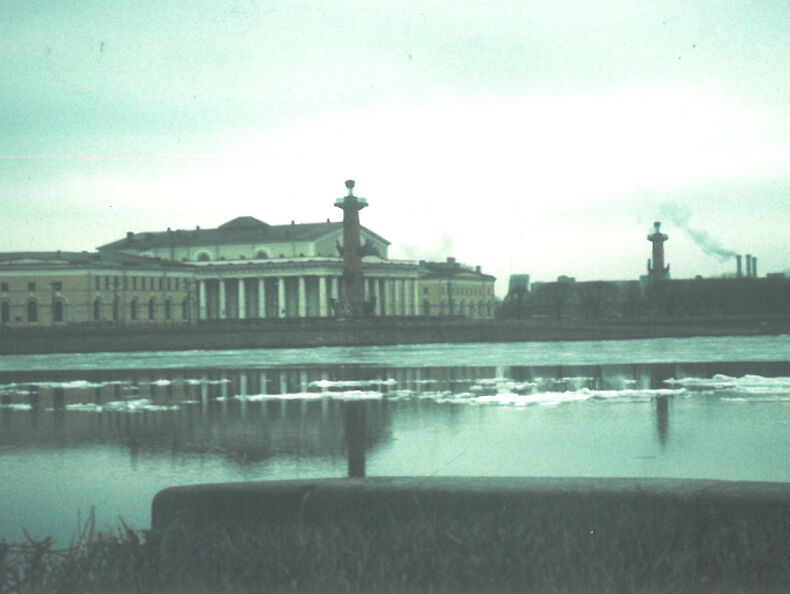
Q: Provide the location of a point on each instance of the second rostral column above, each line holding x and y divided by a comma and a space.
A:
353, 302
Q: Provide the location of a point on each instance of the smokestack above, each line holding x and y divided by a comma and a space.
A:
738, 259
754, 266
748, 265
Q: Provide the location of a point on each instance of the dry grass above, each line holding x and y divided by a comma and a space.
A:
508, 551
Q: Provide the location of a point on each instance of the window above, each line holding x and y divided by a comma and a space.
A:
106, 282
204, 257
133, 309
261, 255
125, 283
177, 284
151, 309
57, 286
97, 310
116, 306
5, 312
184, 309
32, 311
168, 307
57, 311
98, 283
142, 283
168, 283
134, 283
115, 283
3, 287
161, 283
31, 287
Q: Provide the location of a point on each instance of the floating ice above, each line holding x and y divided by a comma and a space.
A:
352, 383
17, 406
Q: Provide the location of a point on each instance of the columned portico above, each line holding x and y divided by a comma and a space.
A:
299, 288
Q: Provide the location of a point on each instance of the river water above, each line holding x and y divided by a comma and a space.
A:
106, 431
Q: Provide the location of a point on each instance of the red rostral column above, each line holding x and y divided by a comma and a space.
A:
658, 271
353, 302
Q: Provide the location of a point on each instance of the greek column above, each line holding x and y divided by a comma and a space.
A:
202, 299
261, 298
242, 304
222, 310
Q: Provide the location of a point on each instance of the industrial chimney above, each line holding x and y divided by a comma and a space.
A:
748, 266
754, 266
739, 268
657, 272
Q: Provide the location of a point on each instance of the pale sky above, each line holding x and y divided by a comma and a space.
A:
523, 136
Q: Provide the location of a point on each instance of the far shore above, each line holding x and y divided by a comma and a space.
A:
294, 333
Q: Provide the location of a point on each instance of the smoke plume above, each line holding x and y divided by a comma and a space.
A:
680, 216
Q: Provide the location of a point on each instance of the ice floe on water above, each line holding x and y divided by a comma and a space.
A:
124, 406
345, 395
16, 406
66, 385
744, 387
352, 383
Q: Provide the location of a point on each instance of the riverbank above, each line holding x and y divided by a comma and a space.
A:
433, 534
292, 333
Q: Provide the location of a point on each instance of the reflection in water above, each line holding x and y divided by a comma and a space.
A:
662, 418
250, 416
355, 437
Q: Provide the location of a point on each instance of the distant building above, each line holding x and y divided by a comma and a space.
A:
452, 289
67, 288
518, 280
246, 268
242, 269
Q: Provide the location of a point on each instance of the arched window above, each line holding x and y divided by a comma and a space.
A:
32, 311
57, 311
168, 307
133, 309
116, 310
203, 257
261, 255
97, 310
185, 309
151, 309
5, 312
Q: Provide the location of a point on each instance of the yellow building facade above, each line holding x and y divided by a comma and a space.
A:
79, 288
452, 289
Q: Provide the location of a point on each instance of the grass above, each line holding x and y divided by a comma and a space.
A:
522, 550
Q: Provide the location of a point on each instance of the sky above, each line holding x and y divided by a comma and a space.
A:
523, 136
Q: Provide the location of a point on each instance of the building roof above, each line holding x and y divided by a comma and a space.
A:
451, 269
239, 230
61, 259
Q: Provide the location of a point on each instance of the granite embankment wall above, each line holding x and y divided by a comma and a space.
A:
485, 534
260, 503
235, 334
